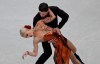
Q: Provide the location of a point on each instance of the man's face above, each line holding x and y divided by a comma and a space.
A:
43, 14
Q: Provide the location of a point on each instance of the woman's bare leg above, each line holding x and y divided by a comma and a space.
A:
71, 46
73, 59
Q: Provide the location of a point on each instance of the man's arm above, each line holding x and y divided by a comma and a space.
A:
62, 15
50, 18
36, 19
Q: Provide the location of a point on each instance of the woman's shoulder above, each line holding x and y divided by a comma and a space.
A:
40, 22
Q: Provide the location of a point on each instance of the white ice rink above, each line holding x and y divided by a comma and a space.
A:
82, 28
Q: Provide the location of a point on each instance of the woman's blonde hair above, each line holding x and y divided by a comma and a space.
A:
22, 32
24, 29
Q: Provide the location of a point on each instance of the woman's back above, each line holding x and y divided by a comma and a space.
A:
40, 34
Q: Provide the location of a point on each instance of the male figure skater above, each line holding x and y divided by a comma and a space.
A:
43, 13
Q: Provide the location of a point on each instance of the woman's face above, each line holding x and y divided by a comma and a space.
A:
28, 34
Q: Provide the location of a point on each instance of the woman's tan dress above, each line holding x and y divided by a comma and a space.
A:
62, 52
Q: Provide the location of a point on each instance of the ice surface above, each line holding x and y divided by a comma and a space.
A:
82, 28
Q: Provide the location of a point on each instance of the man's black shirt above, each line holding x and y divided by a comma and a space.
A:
54, 23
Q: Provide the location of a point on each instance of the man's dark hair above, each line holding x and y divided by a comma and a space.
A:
43, 7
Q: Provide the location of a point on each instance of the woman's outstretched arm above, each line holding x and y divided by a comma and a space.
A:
35, 49
35, 45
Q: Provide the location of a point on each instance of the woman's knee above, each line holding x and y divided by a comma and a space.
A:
71, 46
75, 49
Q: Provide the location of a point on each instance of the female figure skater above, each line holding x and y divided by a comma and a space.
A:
63, 47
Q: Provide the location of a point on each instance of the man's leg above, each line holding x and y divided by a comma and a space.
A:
74, 59
47, 53
77, 56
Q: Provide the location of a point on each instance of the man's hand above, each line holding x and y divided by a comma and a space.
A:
57, 30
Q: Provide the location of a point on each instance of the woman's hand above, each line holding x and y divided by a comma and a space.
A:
50, 18
25, 54
29, 53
